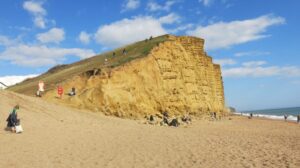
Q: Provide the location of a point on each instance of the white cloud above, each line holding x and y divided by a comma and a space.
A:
181, 28
131, 5
35, 8
11, 80
129, 30
41, 55
226, 61
226, 34
84, 37
254, 63
55, 35
5, 41
206, 2
153, 6
251, 53
169, 19
40, 22
259, 71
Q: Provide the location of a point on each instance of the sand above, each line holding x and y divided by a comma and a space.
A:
62, 137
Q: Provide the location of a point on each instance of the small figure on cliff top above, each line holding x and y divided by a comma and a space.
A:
150, 38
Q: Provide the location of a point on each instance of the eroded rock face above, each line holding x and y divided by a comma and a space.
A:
177, 77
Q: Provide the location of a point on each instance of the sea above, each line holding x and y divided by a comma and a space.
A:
276, 114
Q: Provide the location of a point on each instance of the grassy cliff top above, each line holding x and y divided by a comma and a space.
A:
61, 73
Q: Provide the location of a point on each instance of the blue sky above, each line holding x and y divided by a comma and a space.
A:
256, 42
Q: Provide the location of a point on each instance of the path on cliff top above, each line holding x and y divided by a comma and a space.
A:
58, 136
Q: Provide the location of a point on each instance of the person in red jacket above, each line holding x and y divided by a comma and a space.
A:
60, 91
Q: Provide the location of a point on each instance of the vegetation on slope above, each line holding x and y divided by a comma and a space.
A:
61, 73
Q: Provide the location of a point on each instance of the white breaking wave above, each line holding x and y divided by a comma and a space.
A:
274, 117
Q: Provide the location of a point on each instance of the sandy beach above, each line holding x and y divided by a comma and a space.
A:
60, 137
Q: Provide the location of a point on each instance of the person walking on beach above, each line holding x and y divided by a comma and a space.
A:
12, 119
298, 118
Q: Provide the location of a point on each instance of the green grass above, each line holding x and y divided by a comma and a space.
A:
61, 73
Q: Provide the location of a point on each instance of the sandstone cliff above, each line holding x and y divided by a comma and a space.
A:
176, 76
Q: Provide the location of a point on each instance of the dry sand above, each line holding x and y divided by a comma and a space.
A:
56, 136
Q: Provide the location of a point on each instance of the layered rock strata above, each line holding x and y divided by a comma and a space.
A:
177, 76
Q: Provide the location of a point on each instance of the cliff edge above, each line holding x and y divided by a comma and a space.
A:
176, 76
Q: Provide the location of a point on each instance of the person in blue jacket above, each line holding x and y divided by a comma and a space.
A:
12, 120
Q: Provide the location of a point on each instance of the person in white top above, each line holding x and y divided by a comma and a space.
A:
41, 89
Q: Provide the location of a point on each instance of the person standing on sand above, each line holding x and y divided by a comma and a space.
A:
285, 117
12, 119
250, 116
41, 89
298, 118
60, 91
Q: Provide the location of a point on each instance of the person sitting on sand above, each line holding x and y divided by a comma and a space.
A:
12, 119
73, 92
215, 115
165, 118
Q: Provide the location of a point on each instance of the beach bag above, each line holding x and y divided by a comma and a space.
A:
19, 129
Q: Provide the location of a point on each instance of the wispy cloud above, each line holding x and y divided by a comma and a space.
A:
226, 34
54, 35
206, 2
169, 19
130, 5
5, 41
130, 30
254, 63
225, 61
84, 37
180, 28
252, 53
256, 70
36, 9
41, 55
154, 6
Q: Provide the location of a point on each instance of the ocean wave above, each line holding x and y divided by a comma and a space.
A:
273, 117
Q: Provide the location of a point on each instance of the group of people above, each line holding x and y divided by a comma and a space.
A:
285, 117
60, 90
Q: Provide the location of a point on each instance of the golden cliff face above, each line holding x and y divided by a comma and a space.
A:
177, 76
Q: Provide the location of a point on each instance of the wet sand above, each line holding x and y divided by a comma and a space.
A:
62, 137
